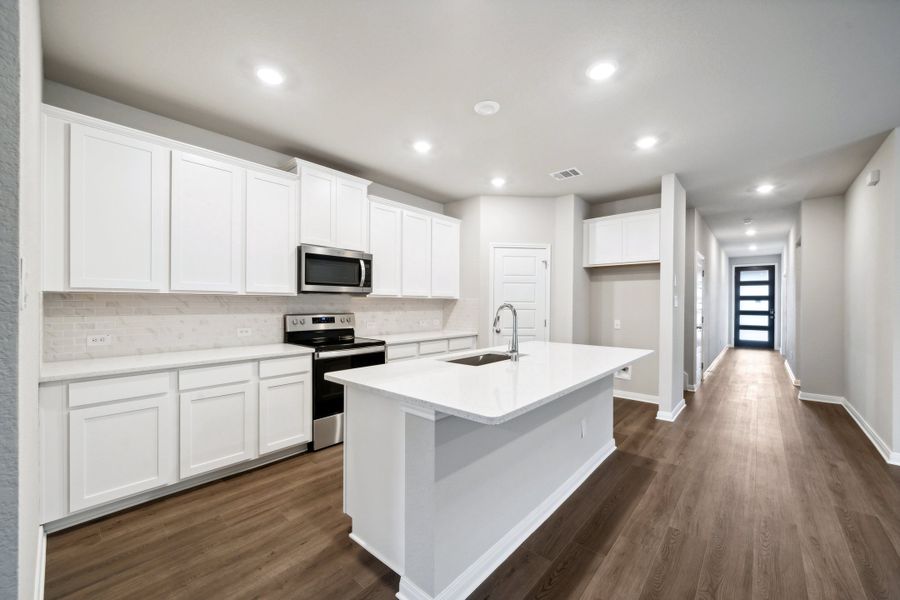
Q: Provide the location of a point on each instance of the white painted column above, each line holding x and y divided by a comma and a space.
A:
671, 298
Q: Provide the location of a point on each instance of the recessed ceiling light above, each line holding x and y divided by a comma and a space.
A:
486, 108
498, 182
751, 232
270, 76
601, 71
422, 147
765, 188
647, 142
752, 247
748, 220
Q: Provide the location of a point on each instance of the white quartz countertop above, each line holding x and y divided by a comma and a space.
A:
496, 392
392, 339
70, 370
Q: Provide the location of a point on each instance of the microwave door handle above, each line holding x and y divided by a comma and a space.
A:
362, 277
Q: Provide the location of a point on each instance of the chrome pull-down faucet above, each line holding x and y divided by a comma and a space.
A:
513, 349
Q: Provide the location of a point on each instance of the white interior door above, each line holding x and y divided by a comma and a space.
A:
699, 322
520, 276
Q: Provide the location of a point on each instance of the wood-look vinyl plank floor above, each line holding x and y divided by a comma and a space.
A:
751, 493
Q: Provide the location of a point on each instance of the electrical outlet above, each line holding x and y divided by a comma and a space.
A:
617, 324
99, 340
244, 332
624, 373
423, 323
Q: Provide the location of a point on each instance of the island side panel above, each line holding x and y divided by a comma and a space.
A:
374, 474
495, 484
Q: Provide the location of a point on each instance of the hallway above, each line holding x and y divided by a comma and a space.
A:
750, 494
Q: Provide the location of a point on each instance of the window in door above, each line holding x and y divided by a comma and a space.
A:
754, 307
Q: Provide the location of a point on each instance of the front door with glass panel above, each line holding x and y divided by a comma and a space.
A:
754, 307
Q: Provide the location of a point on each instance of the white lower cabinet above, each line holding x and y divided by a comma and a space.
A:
125, 444
218, 427
285, 412
429, 348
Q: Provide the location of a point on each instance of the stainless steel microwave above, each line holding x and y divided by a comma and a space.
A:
335, 270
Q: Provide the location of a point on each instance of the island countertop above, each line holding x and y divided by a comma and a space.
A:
496, 392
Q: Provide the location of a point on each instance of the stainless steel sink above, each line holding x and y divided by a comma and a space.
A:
480, 359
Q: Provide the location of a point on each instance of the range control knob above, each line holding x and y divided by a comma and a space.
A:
303, 321
293, 321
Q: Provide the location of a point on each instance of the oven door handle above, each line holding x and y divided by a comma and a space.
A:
362, 278
351, 352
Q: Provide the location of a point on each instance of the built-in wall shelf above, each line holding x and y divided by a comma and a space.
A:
624, 239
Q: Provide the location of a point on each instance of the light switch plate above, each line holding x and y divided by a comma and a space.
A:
617, 324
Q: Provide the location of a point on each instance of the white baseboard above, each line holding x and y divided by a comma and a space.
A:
670, 416
40, 567
625, 395
794, 380
889, 456
478, 571
390, 564
691, 387
826, 398
715, 363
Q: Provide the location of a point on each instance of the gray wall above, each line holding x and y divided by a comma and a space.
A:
872, 269
63, 96
822, 296
9, 293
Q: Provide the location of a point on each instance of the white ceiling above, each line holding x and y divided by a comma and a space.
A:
799, 93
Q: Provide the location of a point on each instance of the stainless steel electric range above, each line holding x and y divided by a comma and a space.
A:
336, 348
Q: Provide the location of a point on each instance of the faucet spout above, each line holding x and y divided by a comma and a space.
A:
513, 349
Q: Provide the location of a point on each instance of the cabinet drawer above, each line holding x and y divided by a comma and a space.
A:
85, 393
466, 343
433, 347
402, 351
207, 376
284, 366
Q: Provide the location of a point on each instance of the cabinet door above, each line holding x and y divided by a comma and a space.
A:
318, 196
285, 412
118, 207
385, 236
640, 237
119, 449
218, 427
207, 221
444, 258
416, 255
273, 219
605, 241
352, 218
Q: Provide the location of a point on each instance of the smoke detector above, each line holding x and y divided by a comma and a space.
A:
566, 174
748, 220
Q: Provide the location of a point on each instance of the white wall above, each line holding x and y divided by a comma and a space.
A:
871, 262
700, 239
63, 96
790, 277
671, 296
821, 338
570, 314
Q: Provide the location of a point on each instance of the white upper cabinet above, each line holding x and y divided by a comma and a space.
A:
415, 255
318, 199
385, 236
334, 208
273, 219
622, 239
118, 211
207, 223
444, 258
352, 215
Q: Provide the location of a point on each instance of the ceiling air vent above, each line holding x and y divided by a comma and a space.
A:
565, 174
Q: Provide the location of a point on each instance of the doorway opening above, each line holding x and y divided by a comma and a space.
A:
699, 274
754, 307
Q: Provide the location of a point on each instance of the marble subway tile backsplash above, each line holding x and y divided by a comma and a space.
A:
147, 323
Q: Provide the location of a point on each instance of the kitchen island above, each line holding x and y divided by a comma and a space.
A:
449, 467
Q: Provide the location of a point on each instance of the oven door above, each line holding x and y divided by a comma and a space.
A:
328, 397
334, 270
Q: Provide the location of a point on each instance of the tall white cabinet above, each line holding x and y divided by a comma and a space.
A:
416, 255
118, 198
444, 258
384, 244
334, 207
207, 222
272, 234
